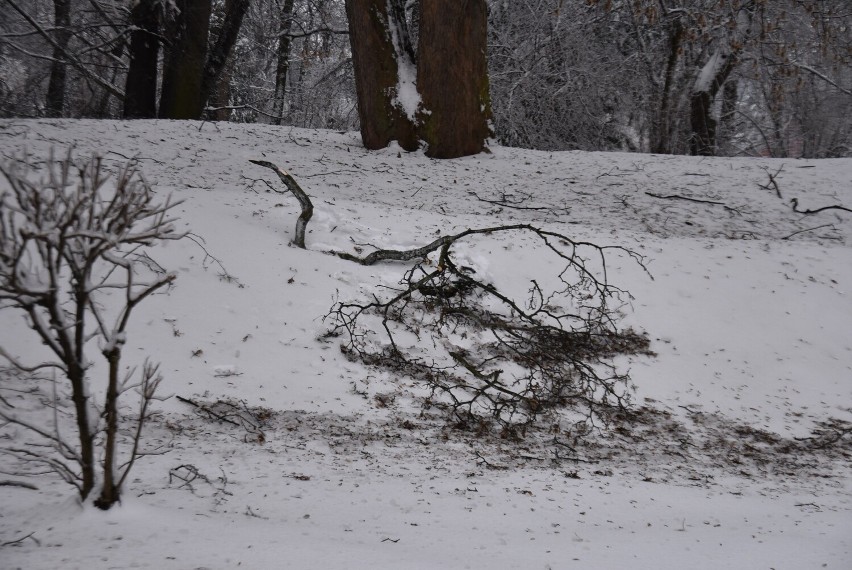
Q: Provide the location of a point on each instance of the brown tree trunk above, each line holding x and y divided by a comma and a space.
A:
282, 69
184, 65
661, 129
221, 50
140, 92
452, 76
55, 102
375, 60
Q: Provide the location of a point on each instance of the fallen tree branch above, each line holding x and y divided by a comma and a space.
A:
688, 199
795, 203
489, 356
304, 201
22, 484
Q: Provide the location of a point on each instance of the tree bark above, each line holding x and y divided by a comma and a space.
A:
661, 129
282, 69
55, 101
703, 139
183, 70
221, 50
375, 58
710, 79
452, 76
140, 92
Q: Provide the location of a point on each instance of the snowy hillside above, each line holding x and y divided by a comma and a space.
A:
741, 457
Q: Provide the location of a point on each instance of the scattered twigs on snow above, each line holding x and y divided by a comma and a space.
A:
208, 411
238, 413
688, 199
516, 202
304, 201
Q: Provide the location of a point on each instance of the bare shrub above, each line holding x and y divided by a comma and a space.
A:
73, 260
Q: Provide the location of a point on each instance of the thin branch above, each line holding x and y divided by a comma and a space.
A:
688, 199
795, 203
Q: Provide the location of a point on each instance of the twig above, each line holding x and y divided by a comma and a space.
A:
23, 484
506, 202
207, 410
23, 538
225, 276
687, 198
772, 181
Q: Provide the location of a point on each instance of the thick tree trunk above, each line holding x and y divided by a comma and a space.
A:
452, 76
710, 79
140, 92
55, 101
221, 50
661, 129
183, 71
376, 56
282, 69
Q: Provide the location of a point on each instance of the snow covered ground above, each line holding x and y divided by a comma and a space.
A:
749, 313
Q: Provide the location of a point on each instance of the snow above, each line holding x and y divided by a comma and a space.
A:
748, 312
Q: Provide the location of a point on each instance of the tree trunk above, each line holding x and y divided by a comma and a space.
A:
452, 76
183, 71
140, 92
710, 79
221, 50
661, 129
109, 490
282, 69
55, 102
377, 56
222, 93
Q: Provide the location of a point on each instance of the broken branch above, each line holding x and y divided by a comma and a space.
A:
304, 201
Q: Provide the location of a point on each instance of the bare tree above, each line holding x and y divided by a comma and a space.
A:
73, 260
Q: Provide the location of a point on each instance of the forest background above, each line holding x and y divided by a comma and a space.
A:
723, 77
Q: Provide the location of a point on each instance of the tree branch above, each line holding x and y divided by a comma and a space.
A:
301, 196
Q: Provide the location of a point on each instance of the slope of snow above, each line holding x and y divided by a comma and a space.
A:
749, 313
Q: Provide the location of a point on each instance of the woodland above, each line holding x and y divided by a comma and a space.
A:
702, 77
425, 283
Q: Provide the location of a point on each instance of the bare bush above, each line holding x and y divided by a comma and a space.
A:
73, 260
